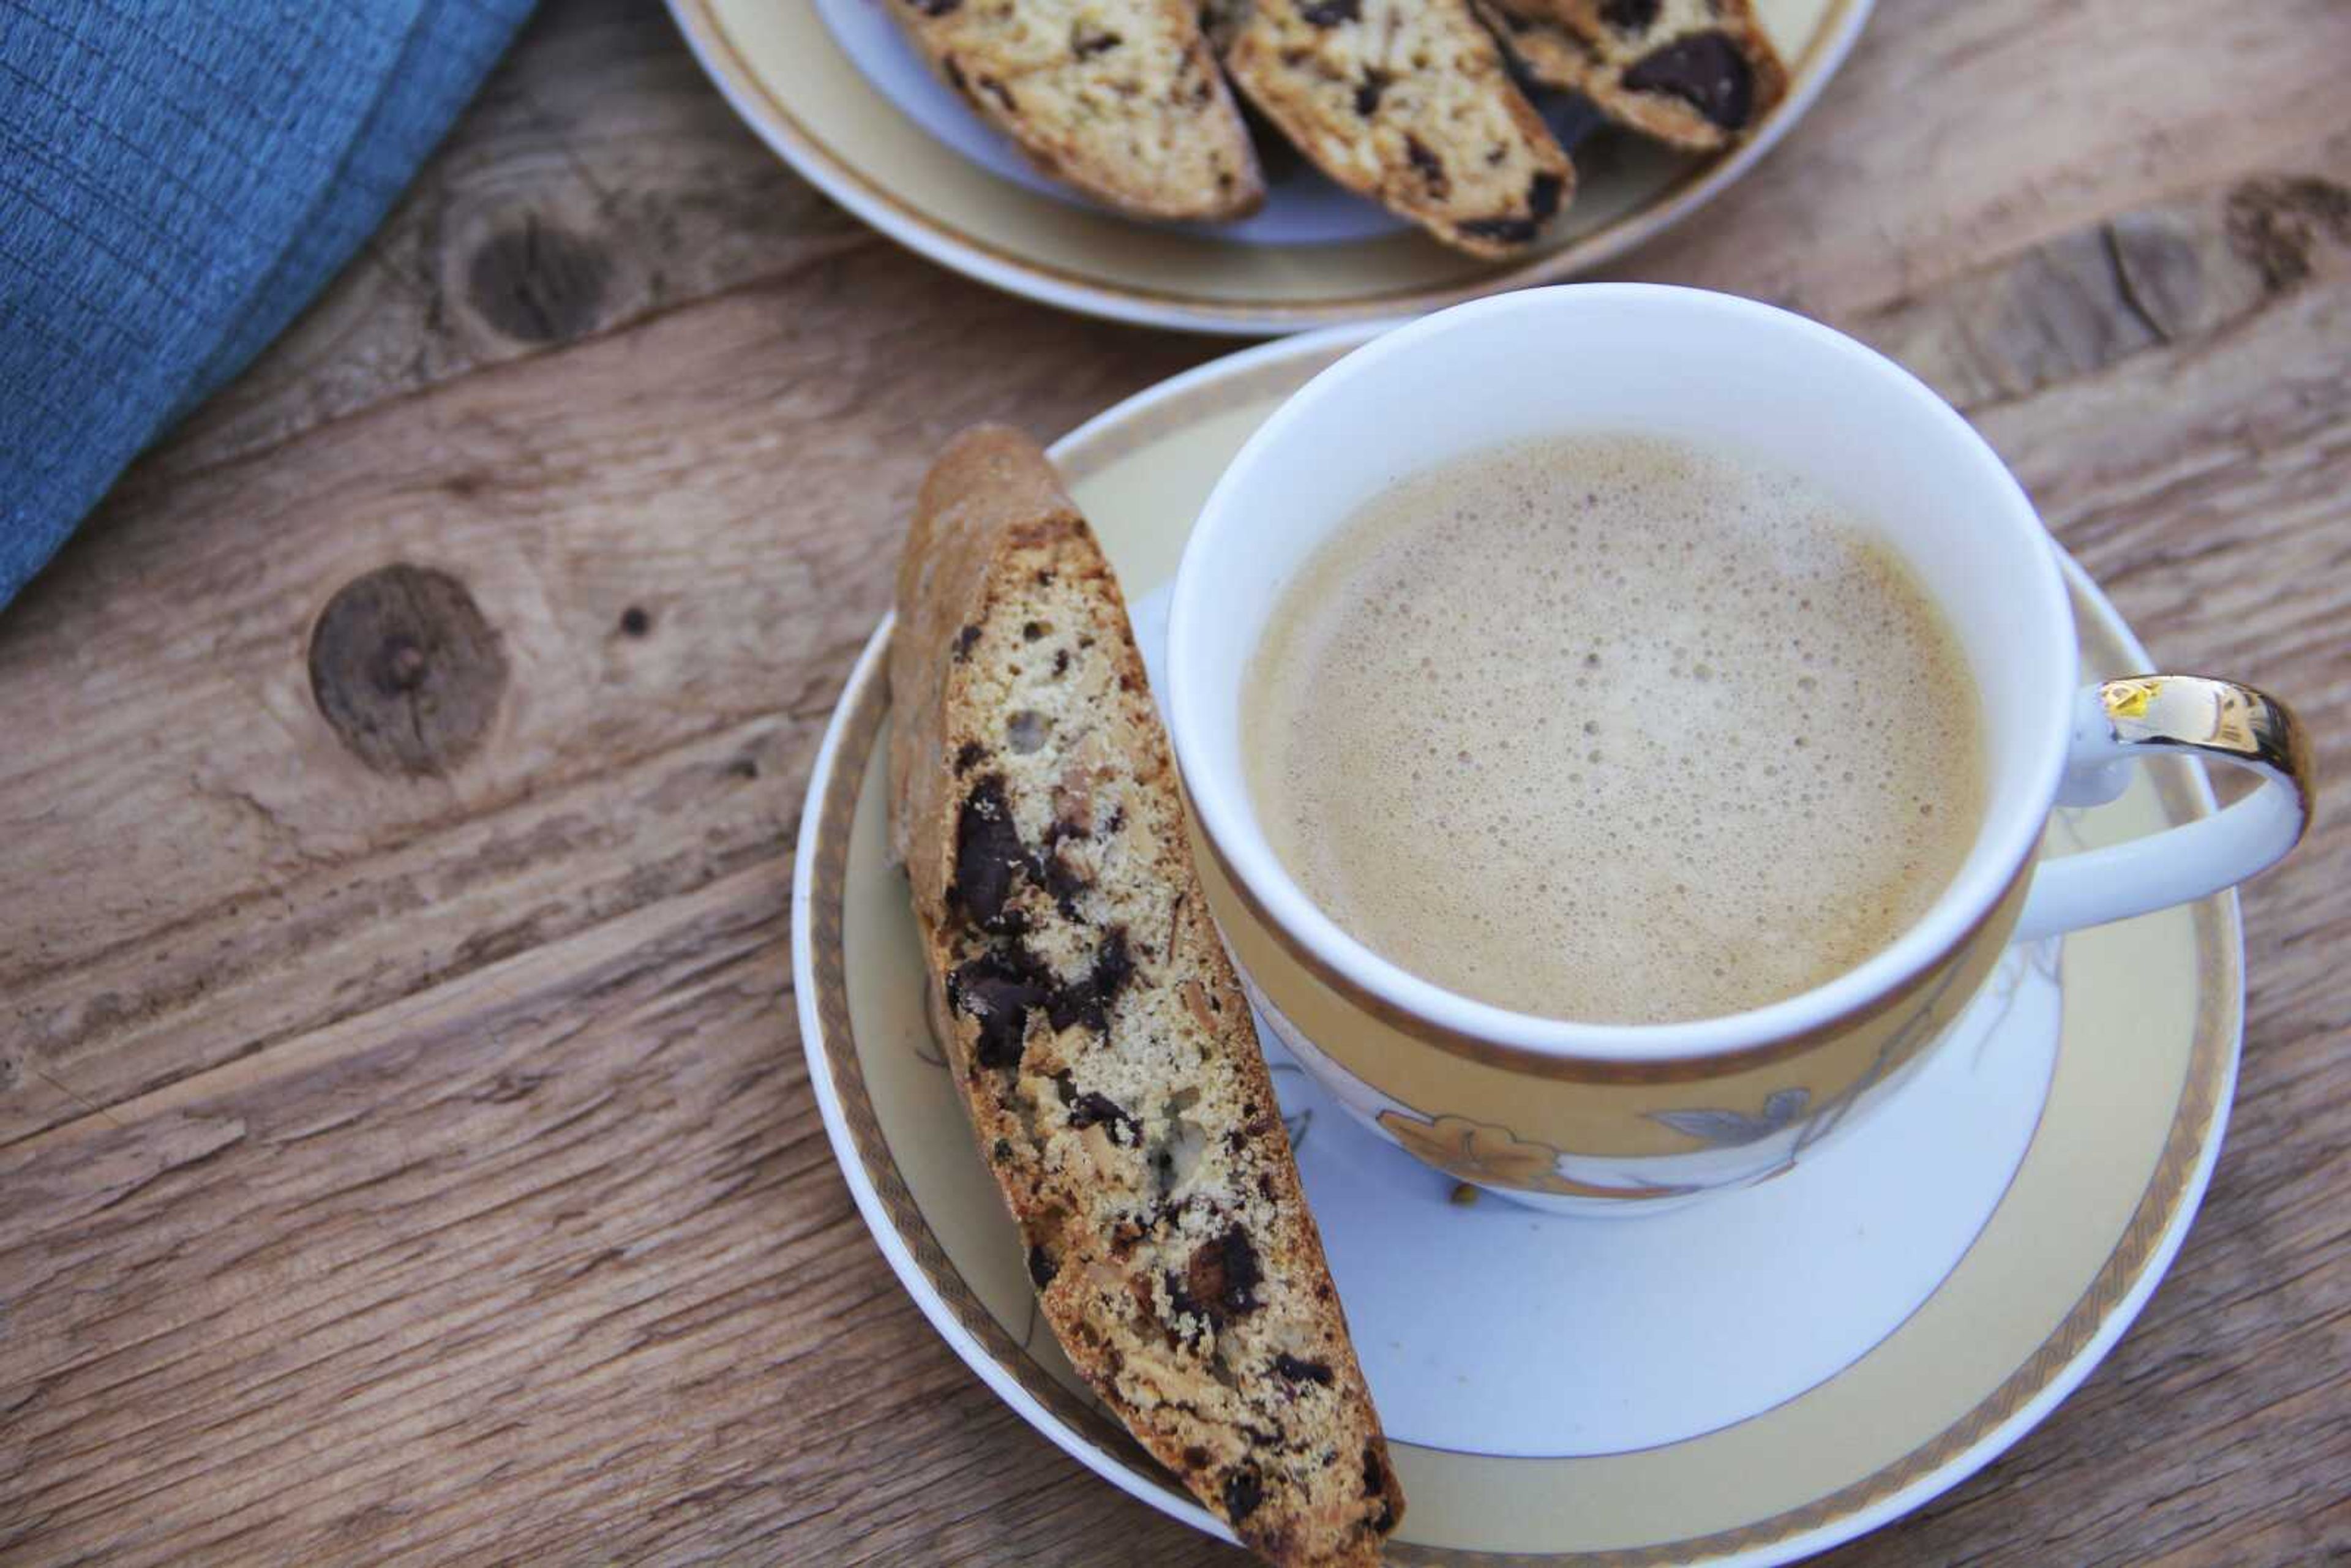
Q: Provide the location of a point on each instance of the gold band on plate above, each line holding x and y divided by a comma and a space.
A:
723, 56
2189, 1132
2153, 1221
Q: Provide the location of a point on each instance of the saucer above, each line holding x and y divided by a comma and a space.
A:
841, 94
1748, 1379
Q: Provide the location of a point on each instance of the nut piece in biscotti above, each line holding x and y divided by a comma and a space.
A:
1409, 102
1694, 74
1094, 1024
1120, 98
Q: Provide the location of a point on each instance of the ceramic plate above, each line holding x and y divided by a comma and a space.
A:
832, 87
1747, 1380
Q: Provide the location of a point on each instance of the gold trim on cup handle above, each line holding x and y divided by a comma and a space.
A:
2118, 722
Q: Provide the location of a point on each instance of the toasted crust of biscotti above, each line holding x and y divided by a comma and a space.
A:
1120, 98
1408, 102
1694, 74
1094, 1024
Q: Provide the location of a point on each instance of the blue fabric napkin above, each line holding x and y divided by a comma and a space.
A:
177, 179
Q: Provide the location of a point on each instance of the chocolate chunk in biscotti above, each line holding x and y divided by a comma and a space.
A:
998, 990
1097, 1031
989, 855
1120, 98
1694, 74
1408, 102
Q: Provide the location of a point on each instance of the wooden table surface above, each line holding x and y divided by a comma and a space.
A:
405, 1150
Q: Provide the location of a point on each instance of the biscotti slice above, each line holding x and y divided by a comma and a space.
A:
1694, 74
1093, 1024
1120, 98
1409, 102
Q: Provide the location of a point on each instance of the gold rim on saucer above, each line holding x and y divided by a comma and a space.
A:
777, 63
2152, 1018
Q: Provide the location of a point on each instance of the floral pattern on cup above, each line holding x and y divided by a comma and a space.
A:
1782, 1109
1495, 1156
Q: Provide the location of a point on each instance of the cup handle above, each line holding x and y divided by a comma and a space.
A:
2118, 722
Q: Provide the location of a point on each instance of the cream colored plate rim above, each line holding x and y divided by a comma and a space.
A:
2124, 1280
760, 105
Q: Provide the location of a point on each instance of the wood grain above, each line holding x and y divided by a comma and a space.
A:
597, 181
416, 1164
732, 497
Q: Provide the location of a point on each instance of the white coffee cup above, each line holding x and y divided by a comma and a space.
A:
1563, 1112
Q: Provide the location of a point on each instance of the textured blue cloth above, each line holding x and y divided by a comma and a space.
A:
177, 179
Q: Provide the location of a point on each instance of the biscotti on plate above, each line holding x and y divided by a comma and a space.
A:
1408, 102
1094, 1024
1694, 74
1121, 98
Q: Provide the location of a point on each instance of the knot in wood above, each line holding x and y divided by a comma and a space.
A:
2276, 225
537, 284
405, 670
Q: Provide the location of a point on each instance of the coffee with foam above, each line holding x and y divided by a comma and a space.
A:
1613, 729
